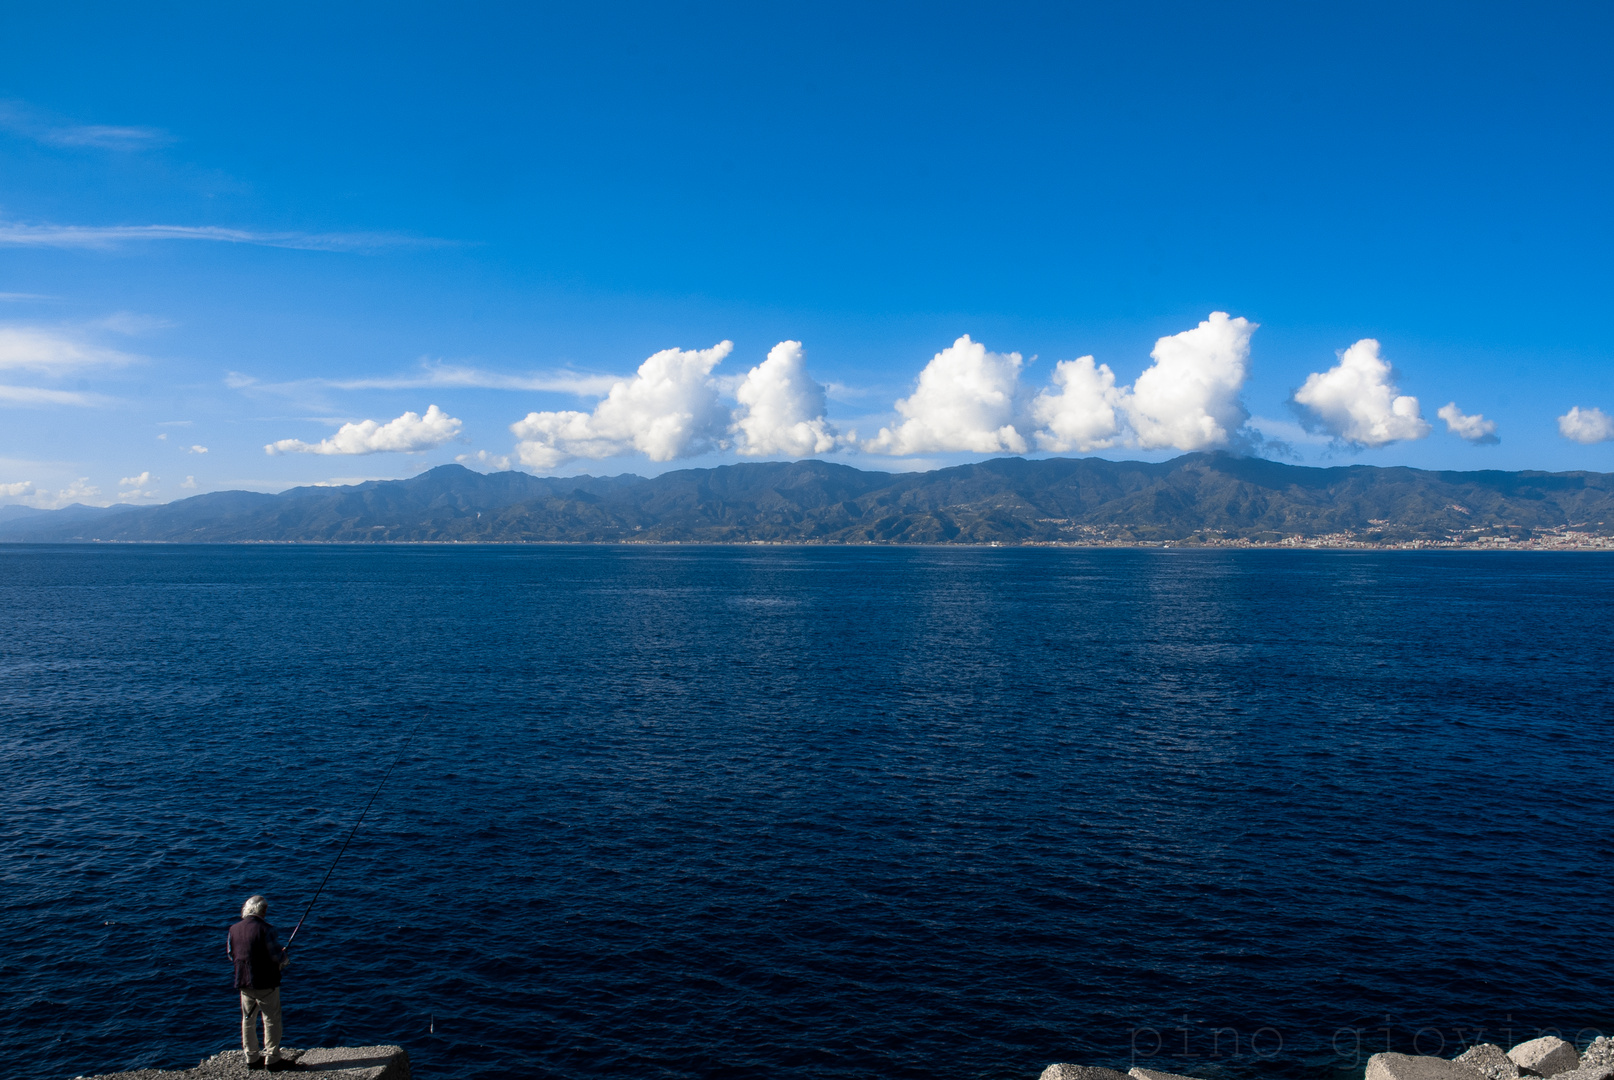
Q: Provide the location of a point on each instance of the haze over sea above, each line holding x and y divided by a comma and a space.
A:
744, 812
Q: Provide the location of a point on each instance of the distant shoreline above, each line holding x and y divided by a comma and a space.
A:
1596, 544
1197, 500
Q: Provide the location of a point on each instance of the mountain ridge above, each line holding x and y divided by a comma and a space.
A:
1196, 498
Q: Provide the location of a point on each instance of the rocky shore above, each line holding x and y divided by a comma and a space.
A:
329, 1062
1547, 1056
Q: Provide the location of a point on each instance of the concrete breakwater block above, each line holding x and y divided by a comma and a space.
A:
1587, 1072
1414, 1067
1490, 1059
330, 1062
1092, 1072
1546, 1056
1598, 1054
1062, 1071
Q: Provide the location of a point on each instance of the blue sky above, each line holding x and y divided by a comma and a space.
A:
239, 231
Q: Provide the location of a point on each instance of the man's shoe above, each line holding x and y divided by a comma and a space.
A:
254, 1063
282, 1065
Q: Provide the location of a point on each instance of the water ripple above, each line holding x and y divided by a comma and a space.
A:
705, 812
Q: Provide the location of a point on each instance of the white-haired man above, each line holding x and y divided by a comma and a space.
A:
258, 959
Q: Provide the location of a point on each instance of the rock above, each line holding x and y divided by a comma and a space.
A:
1546, 1056
1599, 1053
1587, 1072
1490, 1059
1062, 1071
335, 1062
1412, 1067
1156, 1074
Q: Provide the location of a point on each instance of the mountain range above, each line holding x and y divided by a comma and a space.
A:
1206, 498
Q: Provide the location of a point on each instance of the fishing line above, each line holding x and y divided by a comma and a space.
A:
353, 830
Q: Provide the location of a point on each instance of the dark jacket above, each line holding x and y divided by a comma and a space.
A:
257, 954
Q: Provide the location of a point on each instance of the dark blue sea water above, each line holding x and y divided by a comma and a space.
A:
742, 812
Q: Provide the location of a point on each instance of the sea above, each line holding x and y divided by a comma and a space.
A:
745, 812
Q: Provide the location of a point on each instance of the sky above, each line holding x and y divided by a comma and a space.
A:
287, 245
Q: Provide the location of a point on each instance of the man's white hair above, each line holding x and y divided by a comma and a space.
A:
255, 905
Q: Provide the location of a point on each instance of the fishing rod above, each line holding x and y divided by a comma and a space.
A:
354, 830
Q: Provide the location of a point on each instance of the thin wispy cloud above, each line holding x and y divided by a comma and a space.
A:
131, 323
53, 351
434, 376
39, 396
106, 136
497, 462
1287, 431
347, 481
839, 391
46, 129
105, 237
563, 382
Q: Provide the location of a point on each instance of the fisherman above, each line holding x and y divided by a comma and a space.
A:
259, 960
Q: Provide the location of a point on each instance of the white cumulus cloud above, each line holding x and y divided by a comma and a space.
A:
190, 482
782, 408
669, 409
1586, 425
966, 399
408, 434
139, 487
1078, 411
1189, 397
1476, 429
1356, 401
77, 491
497, 462
80, 490
198, 448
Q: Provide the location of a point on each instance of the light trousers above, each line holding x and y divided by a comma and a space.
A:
266, 1002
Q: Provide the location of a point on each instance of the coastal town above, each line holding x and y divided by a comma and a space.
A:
1382, 536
